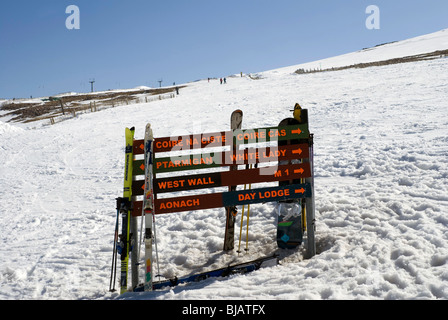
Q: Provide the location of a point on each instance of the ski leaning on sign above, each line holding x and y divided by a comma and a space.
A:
124, 204
148, 206
236, 120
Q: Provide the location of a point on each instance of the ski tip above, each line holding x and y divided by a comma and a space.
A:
129, 131
148, 132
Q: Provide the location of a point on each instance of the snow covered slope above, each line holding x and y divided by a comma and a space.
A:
419, 45
381, 150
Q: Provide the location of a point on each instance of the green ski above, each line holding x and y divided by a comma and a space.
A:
124, 205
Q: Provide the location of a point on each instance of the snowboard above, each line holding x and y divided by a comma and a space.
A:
289, 212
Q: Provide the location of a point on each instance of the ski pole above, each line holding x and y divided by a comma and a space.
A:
241, 226
242, 216
247, 222
155, 243
141, 237
113, 271
247, 225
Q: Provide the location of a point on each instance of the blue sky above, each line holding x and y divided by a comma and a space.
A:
125, 44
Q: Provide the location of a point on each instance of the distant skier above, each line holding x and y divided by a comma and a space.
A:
220, 80
225, 80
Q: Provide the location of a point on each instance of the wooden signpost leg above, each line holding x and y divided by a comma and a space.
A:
310, 208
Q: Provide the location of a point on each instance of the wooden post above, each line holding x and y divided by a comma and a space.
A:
62, 106
310, 209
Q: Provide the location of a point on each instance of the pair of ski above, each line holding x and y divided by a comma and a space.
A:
124, 208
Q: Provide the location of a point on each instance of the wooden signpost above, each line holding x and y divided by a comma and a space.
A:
195, 172
178, 155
